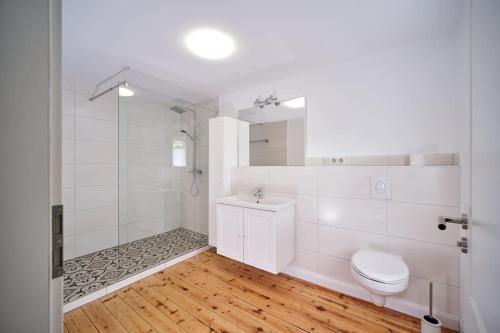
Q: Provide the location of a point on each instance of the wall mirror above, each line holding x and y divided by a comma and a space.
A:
277, 132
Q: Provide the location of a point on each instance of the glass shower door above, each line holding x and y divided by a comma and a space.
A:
152, 163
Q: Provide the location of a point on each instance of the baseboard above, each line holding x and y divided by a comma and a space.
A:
123, 283
407, 307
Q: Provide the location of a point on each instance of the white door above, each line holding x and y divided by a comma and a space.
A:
230, 231
260, 239
30, 171
481, 271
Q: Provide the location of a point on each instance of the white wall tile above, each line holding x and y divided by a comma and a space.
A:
427, 260
420, 222
96, 196
68, 151
306, 260
299, 180
101, 108
428, 185
68, 248
122, 234
96, 130
364, 215
246, 179
446, 297
335, 268
141, 135
145, 228
96, 152
68, 126
342, 243
67, 102
96, 174
350, 220
146, 115
95, 241
145, 210
148, 173
347, 181
146, 132
96, 219
68, 223
306, 236
306, 208
68, 199
140, 154
68, 175
138, 192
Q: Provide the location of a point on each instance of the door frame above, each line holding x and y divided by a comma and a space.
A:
55, 151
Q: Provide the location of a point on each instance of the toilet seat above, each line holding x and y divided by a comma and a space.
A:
382, 274
381, 267
375, 280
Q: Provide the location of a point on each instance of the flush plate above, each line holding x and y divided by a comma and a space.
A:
381, 187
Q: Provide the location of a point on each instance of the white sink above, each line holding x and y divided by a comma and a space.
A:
272, 204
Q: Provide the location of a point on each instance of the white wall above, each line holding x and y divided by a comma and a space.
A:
30, 39
335, 216
399, 101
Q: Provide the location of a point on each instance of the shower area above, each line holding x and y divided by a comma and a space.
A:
135, 170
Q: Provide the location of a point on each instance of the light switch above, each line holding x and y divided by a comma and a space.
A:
381, 187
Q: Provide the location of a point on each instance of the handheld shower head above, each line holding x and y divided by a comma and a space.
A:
193, 138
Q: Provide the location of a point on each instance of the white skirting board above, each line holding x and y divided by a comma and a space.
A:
410, 308
123, 283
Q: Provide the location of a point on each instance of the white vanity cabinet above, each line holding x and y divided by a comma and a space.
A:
260, 238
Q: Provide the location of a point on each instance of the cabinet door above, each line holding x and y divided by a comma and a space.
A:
260, 239
230, 231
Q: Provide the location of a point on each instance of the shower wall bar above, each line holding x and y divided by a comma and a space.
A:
93, 97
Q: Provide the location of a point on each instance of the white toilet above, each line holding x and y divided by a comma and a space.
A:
381, 273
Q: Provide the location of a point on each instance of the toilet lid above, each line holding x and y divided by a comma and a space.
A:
380, 266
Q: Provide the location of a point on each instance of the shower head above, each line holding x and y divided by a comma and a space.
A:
179, 109
189, 135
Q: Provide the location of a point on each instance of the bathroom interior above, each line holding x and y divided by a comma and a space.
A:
276, 166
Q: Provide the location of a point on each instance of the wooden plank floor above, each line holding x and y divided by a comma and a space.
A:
210, 293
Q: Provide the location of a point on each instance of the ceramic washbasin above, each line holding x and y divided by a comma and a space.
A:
273, 204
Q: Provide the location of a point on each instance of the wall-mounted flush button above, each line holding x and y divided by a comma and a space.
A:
380, 187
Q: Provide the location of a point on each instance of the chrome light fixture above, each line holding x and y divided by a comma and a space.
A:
271, 100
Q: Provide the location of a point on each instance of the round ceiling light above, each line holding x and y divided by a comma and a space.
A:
210, 44
296, 103
125, 92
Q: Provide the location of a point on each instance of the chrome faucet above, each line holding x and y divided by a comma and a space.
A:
259, 193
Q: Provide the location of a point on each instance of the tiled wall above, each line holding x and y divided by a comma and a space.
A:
195, 208
273, 152
335, 216
150, 189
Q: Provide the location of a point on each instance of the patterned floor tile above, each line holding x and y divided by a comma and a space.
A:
86, 274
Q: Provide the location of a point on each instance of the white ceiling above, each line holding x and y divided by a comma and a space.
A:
275, 38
